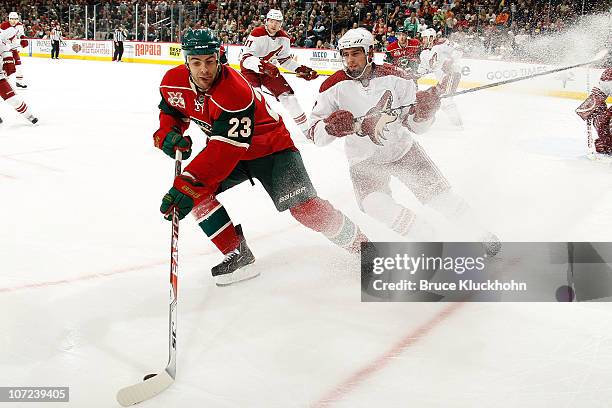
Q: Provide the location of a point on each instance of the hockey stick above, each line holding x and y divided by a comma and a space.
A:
396, 111
598, 57
153, 384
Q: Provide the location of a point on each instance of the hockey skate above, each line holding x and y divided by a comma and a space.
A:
33, 119
24, 86
491, 244
233, 268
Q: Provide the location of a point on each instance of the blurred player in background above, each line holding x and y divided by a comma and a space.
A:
440, 58
246, 140
7, 92
265, 46
595, 111
17, 42
375, 108
404, 53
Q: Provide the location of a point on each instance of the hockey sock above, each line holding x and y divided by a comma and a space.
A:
456, 209
212, 217
19, 73
319, 215
16, 101
291, 103
402, 220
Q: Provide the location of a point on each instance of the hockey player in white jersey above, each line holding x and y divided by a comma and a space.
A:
17, 42
440, 58
381, 145
265, 46
8, 67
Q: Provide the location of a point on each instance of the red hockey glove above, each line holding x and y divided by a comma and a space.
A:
8, 65
185, 193
603, 145
23, 43
427, 103
340, 123
269, 69
306, 73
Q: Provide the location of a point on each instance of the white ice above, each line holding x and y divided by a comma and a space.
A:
84, 259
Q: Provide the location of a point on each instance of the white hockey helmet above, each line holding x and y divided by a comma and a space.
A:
13, 15
274, 14
428, 32
357, 37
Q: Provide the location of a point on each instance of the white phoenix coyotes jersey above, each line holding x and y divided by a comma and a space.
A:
434, 58
6, 39
263, 46
389, 87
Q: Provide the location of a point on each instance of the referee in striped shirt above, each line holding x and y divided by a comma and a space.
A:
56, 37
119, 35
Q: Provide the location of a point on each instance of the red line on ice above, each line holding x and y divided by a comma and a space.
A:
358, 377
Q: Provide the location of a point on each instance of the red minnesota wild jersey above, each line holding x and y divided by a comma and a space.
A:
238, 122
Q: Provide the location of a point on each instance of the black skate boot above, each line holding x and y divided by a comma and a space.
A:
232, 269
24, 86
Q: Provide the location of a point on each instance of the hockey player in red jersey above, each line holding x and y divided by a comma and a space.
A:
246, 140
8, 68
595, 111
17, 42
265, 46
375, 109
404, 53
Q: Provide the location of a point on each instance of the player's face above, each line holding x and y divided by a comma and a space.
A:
354, 60
13, 21
203, 69
402, 37
273, 26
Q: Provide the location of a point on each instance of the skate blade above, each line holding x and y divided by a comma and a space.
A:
241, 275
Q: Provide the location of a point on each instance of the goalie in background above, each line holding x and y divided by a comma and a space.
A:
267, 45
595, 111
381, 145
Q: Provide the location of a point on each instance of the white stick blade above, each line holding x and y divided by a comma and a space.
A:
143, 391
601, 55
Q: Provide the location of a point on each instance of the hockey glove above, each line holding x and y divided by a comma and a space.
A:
340, 123
306, 73
427, 103
8, 65
184, 194
175, 141
23, 43
269, 69
603, 145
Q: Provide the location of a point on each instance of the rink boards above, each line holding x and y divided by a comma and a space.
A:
573, 84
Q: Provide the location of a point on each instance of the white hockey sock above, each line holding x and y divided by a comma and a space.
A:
450, 109
291, 103
400, 219
20, 106
19, 73
456, 209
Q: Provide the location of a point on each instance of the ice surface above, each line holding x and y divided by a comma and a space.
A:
84, 253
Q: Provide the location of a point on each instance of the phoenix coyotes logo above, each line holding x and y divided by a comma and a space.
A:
176, 99
375, 122
76, 48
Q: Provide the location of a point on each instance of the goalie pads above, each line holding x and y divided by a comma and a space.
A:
594, 103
